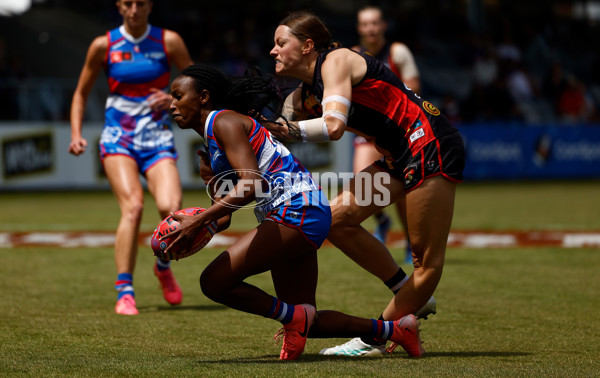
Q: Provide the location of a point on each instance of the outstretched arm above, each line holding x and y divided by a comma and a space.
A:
341, 69
286, 128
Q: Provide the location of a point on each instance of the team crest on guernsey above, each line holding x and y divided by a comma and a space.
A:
409, 174
119, 56
430, 108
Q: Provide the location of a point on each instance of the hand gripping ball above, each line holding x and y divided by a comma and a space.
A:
168, 225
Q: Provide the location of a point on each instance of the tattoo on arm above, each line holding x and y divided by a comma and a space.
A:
294, 132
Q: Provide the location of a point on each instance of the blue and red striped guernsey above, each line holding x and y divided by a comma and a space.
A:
282, 173
272, 156
383, 107
134, 66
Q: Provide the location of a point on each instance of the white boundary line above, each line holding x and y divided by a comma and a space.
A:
463, 239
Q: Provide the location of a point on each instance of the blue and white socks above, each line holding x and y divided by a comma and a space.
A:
124, 282
382, 329
124, 285
162, 264
281, 311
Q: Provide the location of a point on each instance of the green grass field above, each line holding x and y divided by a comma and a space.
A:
501, 312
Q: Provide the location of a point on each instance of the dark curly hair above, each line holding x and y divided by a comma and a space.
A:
253, 94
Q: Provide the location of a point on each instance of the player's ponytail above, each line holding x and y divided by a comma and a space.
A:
305, 25
256, 95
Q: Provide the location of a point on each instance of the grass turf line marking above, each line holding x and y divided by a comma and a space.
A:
463, 239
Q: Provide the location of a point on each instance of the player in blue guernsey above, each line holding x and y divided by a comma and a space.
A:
424, 154
137, 136
284, 177
293, 214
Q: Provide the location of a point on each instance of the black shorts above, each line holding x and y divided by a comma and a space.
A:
444, 156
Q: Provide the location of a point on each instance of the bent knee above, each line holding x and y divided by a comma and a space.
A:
167, 207
209, 285
133, 210
341, 227
344, 215
428, 263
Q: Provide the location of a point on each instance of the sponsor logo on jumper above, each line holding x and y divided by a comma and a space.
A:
419, 133
430, 108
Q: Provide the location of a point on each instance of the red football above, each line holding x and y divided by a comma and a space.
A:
168, 225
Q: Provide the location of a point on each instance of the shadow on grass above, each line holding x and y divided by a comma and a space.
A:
212, 307
306, 358
477, 354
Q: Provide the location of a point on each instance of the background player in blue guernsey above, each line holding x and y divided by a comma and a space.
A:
293, 214
424, 157
137, 136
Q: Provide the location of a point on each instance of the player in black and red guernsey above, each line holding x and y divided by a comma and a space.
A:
423, 153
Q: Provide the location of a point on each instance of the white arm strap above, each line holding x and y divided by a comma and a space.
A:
334, 109
336, 98
315, 130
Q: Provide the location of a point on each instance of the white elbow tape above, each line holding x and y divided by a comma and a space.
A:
337, 114
335, 98
334, 110
314, 130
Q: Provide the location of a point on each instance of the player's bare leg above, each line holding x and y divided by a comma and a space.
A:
123, 175
401, 211
165, 186
365, 154
269, 246
350, 237
293, 264
430, 208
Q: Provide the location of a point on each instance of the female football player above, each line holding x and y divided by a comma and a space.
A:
137, 136
423, 153
293, 214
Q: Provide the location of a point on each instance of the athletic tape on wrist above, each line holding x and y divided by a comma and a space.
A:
314, 130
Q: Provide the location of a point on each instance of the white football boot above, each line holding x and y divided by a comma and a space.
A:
356, 347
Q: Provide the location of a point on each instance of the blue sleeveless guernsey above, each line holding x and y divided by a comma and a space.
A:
133, 67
